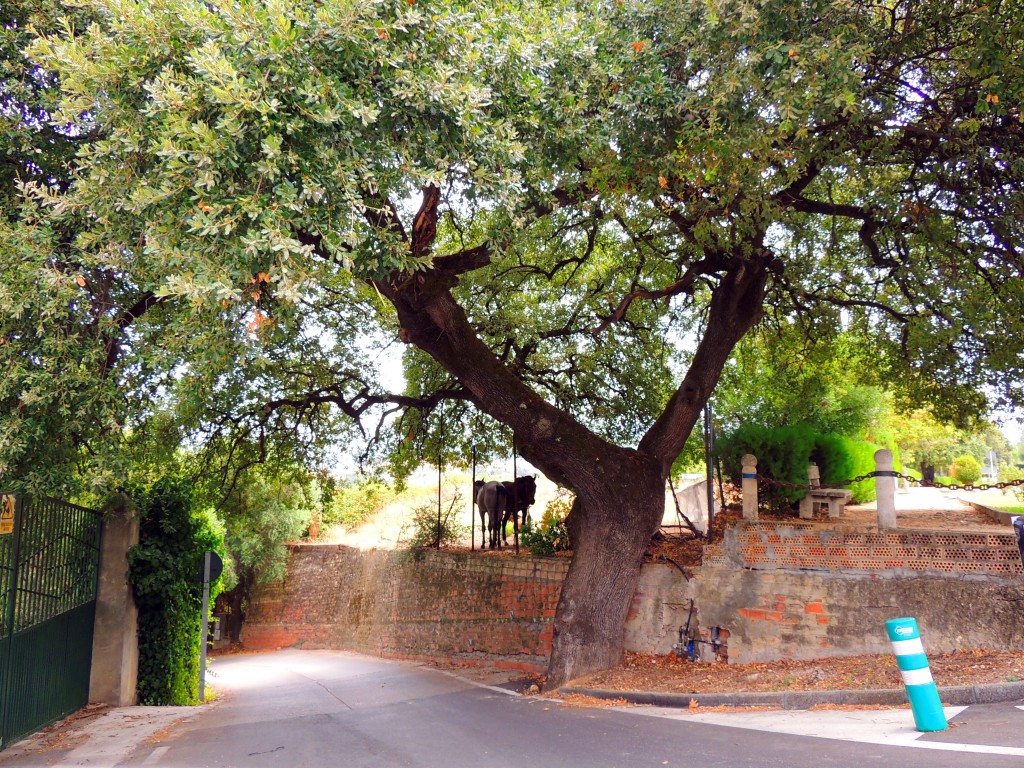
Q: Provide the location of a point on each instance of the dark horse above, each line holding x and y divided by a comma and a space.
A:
519, 495
496, 501
490, 498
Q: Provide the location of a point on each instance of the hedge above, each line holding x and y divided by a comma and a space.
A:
783, 454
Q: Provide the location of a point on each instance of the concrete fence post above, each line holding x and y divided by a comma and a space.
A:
115, 642
749, 477
813, 475
813, 481
885, 489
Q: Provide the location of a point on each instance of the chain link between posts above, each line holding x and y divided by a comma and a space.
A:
899, 476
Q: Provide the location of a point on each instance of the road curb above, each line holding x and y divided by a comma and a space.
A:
962, 695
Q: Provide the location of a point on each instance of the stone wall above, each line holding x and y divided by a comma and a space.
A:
796, 591
473, 609
484, 609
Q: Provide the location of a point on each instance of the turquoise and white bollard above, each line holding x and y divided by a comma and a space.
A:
917, 677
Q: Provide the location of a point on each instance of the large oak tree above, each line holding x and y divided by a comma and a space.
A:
571, 214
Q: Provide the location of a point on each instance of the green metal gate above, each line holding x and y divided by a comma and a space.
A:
49, 566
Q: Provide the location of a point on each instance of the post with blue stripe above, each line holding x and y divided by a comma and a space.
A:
749, 487
917, 677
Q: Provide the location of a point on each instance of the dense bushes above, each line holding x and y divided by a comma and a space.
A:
783, 454
163, 569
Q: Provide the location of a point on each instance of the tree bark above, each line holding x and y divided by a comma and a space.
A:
232, 603
619, 519
620, 491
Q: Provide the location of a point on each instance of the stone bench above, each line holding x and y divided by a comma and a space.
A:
835, 498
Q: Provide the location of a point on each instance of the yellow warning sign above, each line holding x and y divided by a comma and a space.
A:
6, 513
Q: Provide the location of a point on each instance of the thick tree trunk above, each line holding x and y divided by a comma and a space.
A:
620, 490
598, 591
232, 603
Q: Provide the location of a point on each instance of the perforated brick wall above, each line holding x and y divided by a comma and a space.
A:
764, 545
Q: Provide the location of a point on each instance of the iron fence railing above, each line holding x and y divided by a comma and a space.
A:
49, 563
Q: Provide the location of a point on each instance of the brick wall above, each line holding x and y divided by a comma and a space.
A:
797, 591
804, 547
473, 609
787, 600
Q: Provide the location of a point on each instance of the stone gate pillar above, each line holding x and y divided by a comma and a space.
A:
115, 642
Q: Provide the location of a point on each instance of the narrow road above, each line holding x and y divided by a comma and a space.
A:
321, 708
314, 709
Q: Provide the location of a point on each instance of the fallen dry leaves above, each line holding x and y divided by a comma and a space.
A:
579, 700
668, 674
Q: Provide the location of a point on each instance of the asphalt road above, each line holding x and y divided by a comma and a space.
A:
313, 709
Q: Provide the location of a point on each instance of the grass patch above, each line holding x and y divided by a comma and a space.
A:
1005, 502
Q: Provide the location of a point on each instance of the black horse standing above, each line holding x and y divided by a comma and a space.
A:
498, 501
520, 496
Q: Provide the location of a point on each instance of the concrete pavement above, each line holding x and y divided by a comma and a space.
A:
311, 708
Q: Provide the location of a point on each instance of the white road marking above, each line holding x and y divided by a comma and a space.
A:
889, 727
155, 755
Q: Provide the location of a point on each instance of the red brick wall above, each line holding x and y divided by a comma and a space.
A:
779, 591
480, 609
794, 546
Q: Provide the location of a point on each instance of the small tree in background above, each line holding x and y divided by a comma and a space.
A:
966, 469
267, 507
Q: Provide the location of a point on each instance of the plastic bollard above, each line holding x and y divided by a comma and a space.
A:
917, 677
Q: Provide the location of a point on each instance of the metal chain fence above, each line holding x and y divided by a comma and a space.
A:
900, 476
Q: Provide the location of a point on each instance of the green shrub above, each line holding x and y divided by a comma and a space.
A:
1008, 474
862, 454
428, 530
783, 454
549, 535
966, 469
163, 570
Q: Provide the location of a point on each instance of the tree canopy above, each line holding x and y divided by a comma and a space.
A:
572, 214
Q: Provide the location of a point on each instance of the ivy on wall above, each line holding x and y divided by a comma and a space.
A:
164, 571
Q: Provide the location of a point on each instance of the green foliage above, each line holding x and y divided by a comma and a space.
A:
549, 535
163, 569
863, 461
966, 469
926, 441
267, 507
780, 374
258, 144
353, 502
1009, 473
784, 453
431, 528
